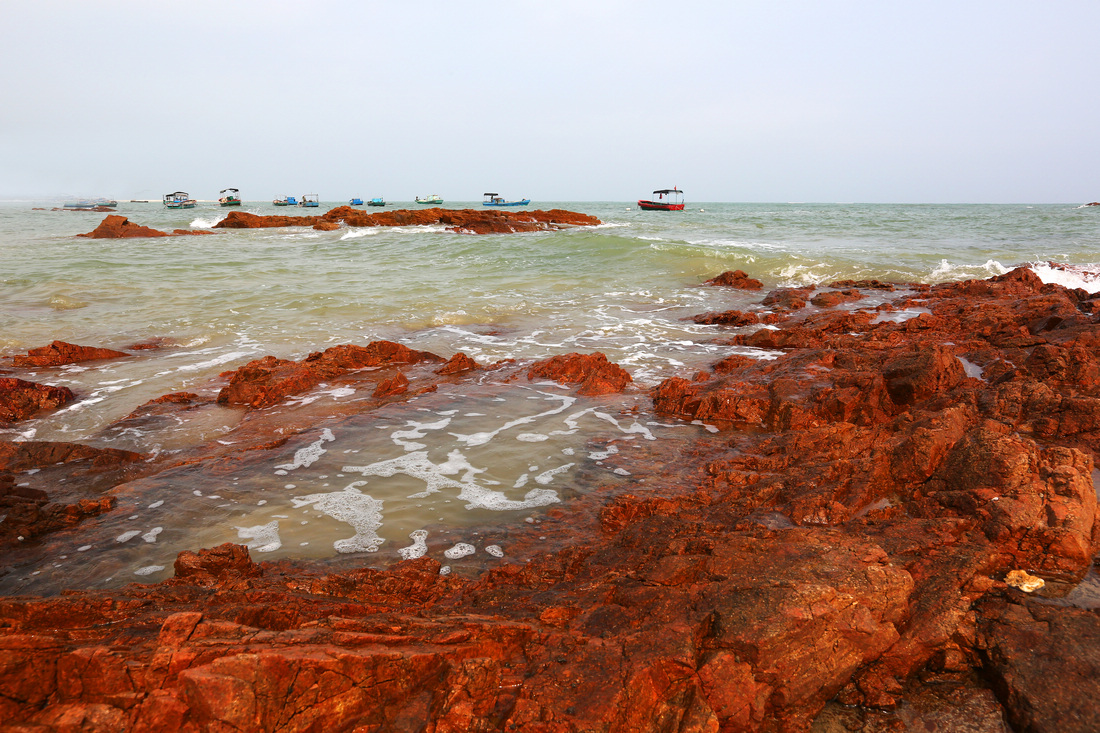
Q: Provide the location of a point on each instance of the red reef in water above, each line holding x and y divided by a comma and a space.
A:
832, 549
20, 399
117, 226
60, 353
735, 279
467, 221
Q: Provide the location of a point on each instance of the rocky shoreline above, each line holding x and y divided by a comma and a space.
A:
832, 557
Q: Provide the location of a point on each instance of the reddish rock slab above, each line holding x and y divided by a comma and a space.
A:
59, 353
1044, 662
20, 399
733, 318
833, 298
458, 364
595, 374
117, 226
735, 279
269, 380
469, 221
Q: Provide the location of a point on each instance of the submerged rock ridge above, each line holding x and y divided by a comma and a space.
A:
836, 532
467, 221
117, 226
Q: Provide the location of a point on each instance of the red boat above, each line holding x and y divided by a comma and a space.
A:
668, 199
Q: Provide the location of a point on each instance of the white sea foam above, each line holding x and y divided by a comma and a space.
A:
436, 478
305, 457
494, 550
484, 437
151, 535
356, 233
127, 536
149, 570
361, 511
416, 430
216, 361
418, 548
1087, 278
262, 537
462, 549
201, 223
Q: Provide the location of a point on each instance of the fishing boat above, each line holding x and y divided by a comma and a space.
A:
356, 202
230, 197
286, 201
179, 200
379, 201
668, 199
310, 200
435, 198
495, 199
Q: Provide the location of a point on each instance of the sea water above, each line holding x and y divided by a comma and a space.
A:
419, 476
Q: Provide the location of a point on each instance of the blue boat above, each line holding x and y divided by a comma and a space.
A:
495, 199
379, 201
286, 201
356, 202
310, 200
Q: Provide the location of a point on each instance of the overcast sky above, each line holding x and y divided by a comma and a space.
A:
768, 100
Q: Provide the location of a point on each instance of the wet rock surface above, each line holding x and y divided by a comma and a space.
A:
20, 399
467, 221
60, 353
120, 227
832, 553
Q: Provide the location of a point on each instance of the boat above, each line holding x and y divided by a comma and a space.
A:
90, 205
435, 198
356, 202
230, 197
286, 201
668, 199
179, 200
379, 201
495, 199
310, 200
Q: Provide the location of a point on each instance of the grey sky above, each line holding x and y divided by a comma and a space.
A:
731, 101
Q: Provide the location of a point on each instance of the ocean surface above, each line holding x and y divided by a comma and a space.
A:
412, 480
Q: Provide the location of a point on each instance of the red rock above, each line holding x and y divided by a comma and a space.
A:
728, 318
158, 342
268, 381
788, 299
20, 399
1043, 662
119, 227
469, 221
60, 352
842, 537
458, 364
833, 298
216, 566
595, 374
735, 279
395, 385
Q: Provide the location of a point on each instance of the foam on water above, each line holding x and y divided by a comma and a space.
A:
418, 548
353, 507
261, 538
1085, 277
208, 223
304, 457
